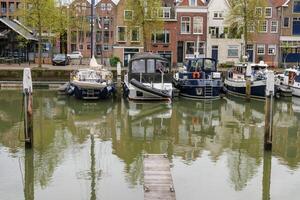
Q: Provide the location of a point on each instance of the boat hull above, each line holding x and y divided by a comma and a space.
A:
258, 88
93, 93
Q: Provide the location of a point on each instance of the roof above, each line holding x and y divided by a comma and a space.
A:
19, 28
147, 55
279, 3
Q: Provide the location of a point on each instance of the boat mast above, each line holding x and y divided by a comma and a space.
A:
92, 27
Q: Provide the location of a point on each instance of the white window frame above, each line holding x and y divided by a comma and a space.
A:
164, 10
185, 23
125, 15
260, 25
109, 6
125, 39
233, 47
268, 16
272, 46
259, 11
103, 6
139, 34
199, 23
261, 46
190, 3
219, 15
164, 32
274, 25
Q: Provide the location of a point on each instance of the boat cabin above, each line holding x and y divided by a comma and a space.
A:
85, 75
149, 67
239, 71
293, 75
201, 65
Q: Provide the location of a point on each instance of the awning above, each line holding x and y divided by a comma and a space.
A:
19, 28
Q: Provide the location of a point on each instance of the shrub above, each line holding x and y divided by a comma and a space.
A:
114, 61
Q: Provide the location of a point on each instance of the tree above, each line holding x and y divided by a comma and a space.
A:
245, 18
44, 16
144, 18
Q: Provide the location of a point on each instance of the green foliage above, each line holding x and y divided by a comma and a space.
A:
145, 16
243, 17
114, 61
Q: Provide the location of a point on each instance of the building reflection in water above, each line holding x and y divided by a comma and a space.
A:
185, 129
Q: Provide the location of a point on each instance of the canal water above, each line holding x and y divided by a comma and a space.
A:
93, 150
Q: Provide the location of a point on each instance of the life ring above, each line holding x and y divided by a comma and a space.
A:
196, 75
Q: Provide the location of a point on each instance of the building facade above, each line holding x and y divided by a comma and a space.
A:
127, 42
191, 29
289, 12
221, 44
8, 8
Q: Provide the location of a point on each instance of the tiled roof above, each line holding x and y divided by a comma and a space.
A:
278, 3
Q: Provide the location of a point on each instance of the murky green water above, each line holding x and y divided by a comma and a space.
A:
92, 150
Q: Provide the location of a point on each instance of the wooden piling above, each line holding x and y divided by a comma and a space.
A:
29, 175
266, 181
28, 110
270, 89
119, 81
158, 183
248, 88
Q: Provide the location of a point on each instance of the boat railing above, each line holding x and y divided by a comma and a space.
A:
152, 77
203, 82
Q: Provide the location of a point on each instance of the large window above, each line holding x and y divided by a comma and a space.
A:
193, 2
121, 31
135, 34
274, 26
161, 37
128, 15
164, 12
268, 12
233, 51
263, 26
261, 49
272, 49
286, 22
185, 25
198, 25
138, 66
296, 6
191, 47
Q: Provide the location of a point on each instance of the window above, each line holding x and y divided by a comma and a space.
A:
128, 14
88, 46
98, 49
164, 13
106, 37
274, 26
98, 36
268, 12
161, 37
263, 26
105, 47
218, 15
135, 34
150, 66
103, 6
138, 66
193, 2
286, 22
191, 48
296, 26
121, 37
261, 49
185, 25
109, 6
233, 51
106, 23
198, 25
258, 11
296, 6
272, 50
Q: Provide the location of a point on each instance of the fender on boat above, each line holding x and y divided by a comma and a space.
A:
151, 90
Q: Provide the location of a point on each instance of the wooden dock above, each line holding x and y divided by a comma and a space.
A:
158, 183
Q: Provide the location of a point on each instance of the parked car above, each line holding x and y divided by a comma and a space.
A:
60, 59
75, 55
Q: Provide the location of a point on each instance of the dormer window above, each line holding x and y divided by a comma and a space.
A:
193, 2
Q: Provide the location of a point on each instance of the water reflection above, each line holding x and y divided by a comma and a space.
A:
94, 141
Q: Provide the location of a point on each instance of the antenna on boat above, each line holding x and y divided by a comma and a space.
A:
196, 54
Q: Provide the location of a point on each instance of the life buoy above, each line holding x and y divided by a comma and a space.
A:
196, 75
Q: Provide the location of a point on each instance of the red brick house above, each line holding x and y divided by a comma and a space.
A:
264, 43
191, 27
164, 42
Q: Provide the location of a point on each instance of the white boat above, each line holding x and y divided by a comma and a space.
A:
90, 84
235, 81
290, 79
149, 78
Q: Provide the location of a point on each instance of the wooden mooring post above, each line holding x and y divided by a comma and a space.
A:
248, 79
270, 90
119, 81
158, 183
27, 105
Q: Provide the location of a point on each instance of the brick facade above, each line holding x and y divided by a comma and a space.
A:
8, 8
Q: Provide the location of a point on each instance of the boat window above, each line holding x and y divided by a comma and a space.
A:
161, 66
209, 65
138, 66
297, 79
194, 65
150, 66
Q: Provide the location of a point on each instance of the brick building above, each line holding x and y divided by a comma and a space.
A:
164, 42
8, 8
192, 28
79, 38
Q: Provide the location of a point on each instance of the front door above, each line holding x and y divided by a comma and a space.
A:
214, 52
250, 52
128, 54
180, 52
